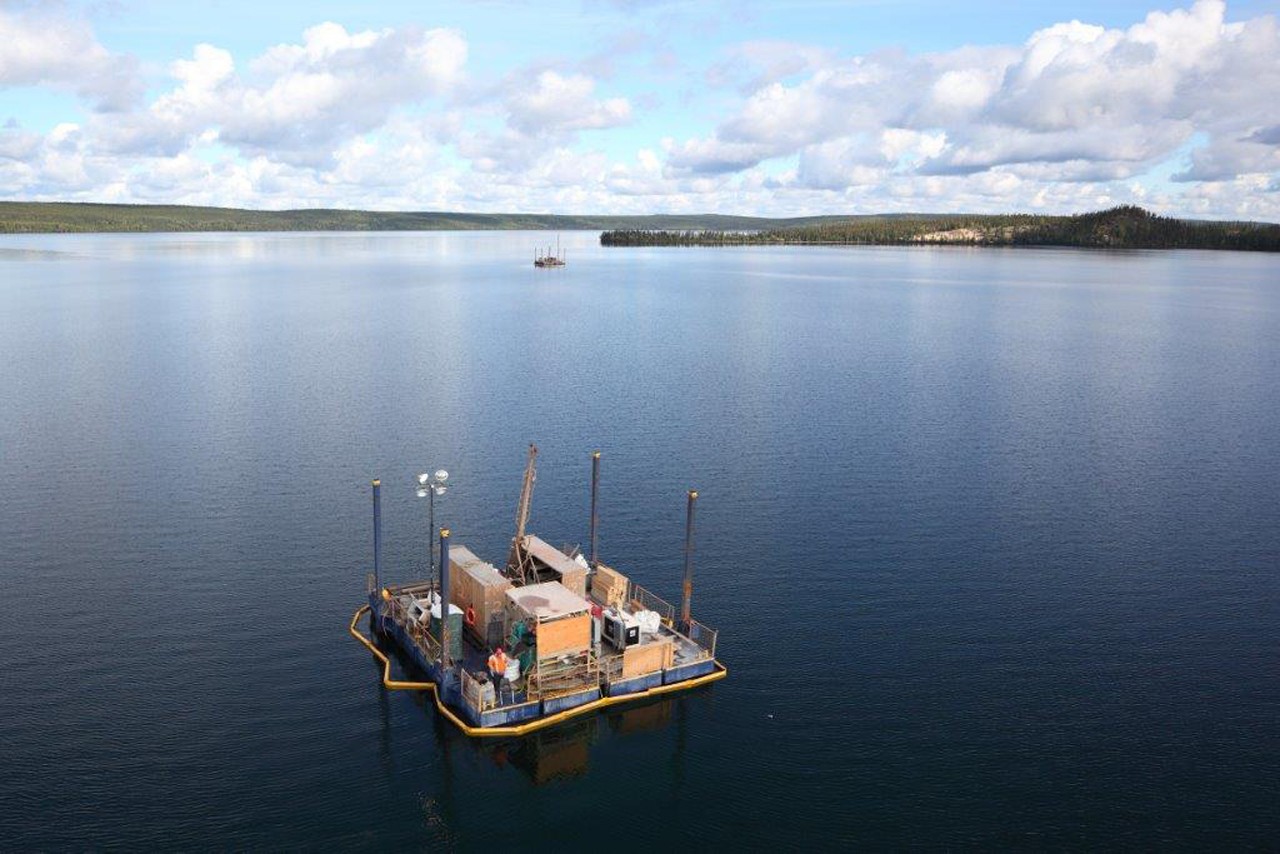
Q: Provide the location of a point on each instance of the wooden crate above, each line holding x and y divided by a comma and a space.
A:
646, 658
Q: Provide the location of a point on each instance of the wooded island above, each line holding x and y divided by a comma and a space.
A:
1125, 227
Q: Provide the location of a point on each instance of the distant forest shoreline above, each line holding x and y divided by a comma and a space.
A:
1123, 227
83, 217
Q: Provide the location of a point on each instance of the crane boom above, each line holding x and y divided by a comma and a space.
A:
516, 561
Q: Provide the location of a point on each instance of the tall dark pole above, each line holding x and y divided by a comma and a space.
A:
595, 488
431, 528
377, 535
686, 601
444, 599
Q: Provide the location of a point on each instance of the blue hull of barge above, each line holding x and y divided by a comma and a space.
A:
672, 675
570, 701
507, 715
635, 684
451, 694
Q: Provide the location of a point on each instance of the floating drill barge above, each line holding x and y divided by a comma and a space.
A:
579, 634
550, 259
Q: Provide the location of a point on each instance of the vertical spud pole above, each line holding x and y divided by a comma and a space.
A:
595, 488
444, 598
377, 535
686, 600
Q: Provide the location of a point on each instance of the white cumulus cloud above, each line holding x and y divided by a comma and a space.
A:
44, 47
1176, 112
297, 103
1075, 102
552, 103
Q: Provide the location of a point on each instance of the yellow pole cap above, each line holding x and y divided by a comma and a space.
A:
595, 454
693, 493
444, 532
386, 595
377, 482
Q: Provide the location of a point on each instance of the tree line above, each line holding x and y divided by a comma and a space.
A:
1124, 227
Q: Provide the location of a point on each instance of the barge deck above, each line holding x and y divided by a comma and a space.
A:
581, 635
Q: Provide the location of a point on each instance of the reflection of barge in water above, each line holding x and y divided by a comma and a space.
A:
582, 636
564, 751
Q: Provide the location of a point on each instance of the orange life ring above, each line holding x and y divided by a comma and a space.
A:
471, 616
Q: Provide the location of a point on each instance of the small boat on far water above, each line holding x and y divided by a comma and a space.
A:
549, 259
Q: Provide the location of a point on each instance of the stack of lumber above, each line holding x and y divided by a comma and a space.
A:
609, 587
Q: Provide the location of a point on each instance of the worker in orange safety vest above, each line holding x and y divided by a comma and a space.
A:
497, 669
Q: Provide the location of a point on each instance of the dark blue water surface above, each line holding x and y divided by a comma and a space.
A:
992, 538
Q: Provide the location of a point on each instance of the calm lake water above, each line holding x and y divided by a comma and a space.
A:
992, 538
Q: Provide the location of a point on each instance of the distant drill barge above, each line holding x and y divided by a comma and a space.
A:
553, 635
550, 259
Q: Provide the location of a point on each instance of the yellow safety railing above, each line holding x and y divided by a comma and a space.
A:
520, 729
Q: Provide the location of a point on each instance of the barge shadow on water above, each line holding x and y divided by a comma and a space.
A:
580, 635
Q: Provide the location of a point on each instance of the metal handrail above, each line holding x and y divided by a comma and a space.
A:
415, 630
650, 601
472, 687
561, 674
720, 672
704, 636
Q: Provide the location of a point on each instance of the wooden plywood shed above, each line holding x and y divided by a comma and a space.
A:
562, 617
569, 572
473, 583
566, 635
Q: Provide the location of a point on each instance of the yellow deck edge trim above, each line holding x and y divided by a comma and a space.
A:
521, 729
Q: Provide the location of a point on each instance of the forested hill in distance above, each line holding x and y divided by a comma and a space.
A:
1125, 227
38, 217
1122, 227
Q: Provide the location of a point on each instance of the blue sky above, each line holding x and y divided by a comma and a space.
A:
784, 108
